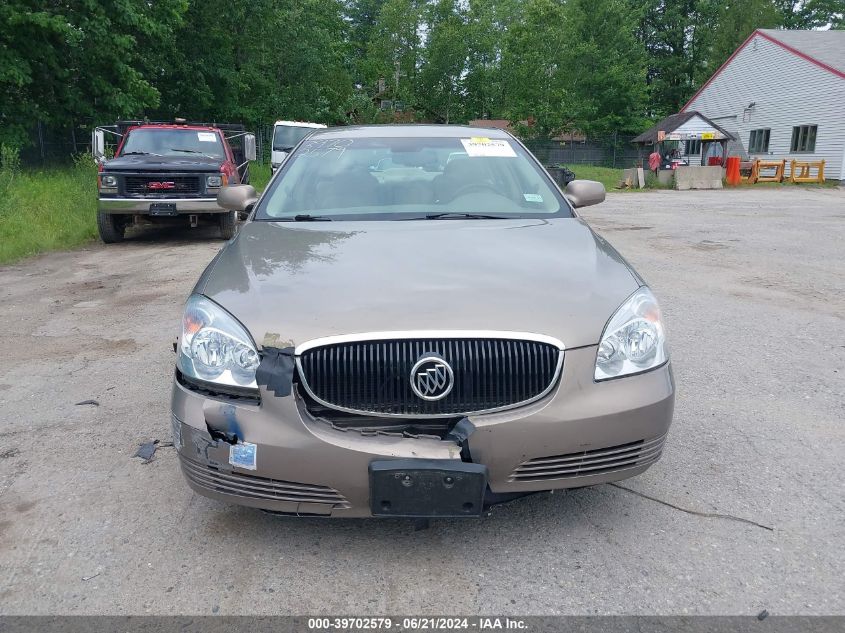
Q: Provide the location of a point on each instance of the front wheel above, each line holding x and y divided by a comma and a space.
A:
111, 227
228, 223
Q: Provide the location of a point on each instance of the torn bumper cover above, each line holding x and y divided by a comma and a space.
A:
582, 433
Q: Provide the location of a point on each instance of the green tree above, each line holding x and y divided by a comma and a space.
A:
362, 16
736, 20
604, 67
266, 60
443, 63
79, 60
676, 35
533, 77
811, 14
394, 50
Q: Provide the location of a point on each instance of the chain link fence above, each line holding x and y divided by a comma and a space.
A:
609, 150
51, 145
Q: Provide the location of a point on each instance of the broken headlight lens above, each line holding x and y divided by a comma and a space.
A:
633, 340
214, 347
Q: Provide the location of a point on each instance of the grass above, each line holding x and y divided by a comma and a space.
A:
46, 210
56, 209
607, 176
259, 175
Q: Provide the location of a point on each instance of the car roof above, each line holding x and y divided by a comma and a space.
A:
173, 126
300, 124
410, 131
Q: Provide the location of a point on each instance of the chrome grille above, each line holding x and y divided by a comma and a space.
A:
241, 485
180, 184
593, 462
373, 376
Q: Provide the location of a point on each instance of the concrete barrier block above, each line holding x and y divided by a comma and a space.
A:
698, 177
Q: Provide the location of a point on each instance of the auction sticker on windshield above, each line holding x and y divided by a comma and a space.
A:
207, 137
481, 146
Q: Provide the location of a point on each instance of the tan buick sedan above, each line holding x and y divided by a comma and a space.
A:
414, 322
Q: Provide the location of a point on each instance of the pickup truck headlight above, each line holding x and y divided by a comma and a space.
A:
633, 340
214, 347
214, 181
108, 181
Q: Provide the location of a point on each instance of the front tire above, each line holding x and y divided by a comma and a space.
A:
111, 227
228, 224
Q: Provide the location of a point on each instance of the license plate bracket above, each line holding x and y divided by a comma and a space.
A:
427, 488
163, 208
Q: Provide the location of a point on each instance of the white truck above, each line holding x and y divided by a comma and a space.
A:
286, 134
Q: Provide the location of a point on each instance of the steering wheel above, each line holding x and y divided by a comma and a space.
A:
474, 186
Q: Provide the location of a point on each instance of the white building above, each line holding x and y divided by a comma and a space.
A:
782, 95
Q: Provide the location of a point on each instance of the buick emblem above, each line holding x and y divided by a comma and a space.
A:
432, 378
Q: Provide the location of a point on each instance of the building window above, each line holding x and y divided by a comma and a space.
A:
692, 147
758, 142
803, 139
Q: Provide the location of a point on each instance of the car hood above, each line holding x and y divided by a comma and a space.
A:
162, 163
277, 156
305, 281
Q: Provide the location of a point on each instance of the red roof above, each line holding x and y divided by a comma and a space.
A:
774, 40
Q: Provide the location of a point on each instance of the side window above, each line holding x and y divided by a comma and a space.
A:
758, 141
803, 139
692, 147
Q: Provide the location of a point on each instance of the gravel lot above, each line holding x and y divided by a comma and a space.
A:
752, 284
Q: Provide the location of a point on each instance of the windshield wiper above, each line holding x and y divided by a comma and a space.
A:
139, 154
190, 151
305, 217
464, 216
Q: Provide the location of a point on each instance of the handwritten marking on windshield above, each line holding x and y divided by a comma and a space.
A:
326, 147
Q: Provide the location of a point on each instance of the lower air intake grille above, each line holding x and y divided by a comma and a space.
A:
374, 376
242, 485
593, 462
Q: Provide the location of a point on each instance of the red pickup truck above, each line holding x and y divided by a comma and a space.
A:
168, 173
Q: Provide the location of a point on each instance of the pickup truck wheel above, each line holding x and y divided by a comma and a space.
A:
228, 223
111, 227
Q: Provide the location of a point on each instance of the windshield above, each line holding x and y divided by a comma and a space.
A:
410, 178
287, 136
173, 142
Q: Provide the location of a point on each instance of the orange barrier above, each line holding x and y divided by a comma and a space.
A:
778, 165
803, 168
732, 171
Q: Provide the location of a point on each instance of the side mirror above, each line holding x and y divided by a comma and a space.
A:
249, 147
583, 193
98, 144
237, 197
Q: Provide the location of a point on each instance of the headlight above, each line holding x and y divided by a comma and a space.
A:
633, 340
214, 347
108, 181
214, 181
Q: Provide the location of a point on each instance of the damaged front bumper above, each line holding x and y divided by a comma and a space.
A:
582, 433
